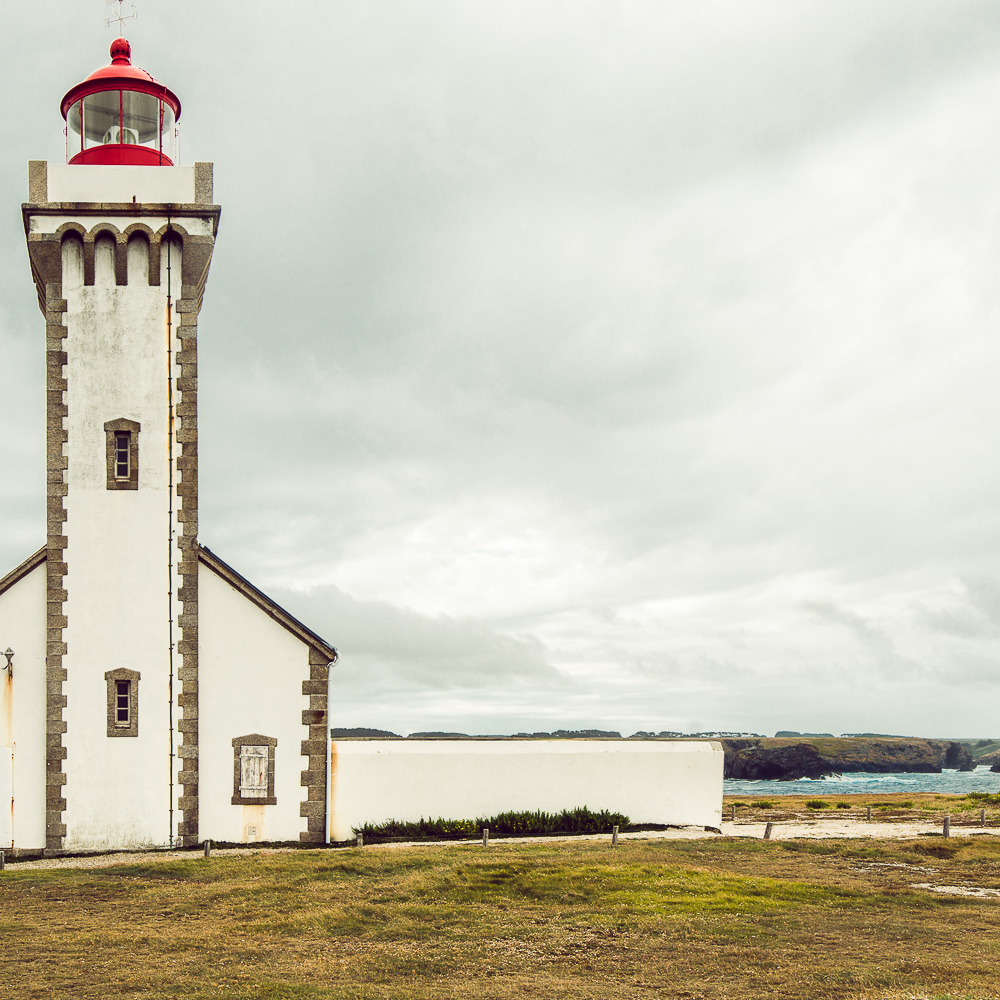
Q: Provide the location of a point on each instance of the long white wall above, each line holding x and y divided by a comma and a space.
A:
651, 782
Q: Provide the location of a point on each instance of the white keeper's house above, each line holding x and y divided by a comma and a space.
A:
149, 694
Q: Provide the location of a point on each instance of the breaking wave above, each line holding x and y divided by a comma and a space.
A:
947, 783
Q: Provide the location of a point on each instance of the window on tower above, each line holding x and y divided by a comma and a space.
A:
123, 694
123, 445
123, 702
122, 454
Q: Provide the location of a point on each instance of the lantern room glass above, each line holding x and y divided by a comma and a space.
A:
128, 117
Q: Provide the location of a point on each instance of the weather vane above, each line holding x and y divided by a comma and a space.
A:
120, 17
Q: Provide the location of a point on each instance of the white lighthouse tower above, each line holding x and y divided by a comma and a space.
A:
120, 241
145, 672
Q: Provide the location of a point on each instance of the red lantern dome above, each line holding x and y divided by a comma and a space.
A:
121, 115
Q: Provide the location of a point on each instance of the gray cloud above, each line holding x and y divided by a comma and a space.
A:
384, 644
576, 348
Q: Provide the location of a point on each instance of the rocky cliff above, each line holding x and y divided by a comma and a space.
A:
788, 759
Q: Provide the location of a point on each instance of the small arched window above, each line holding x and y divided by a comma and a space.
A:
122, 441
123, 702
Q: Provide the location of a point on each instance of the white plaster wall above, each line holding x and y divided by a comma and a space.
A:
117, 789
22, 704
651, 782
250, 675
87, 182
6, 797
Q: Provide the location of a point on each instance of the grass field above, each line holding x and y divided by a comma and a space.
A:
915, 807
720, 918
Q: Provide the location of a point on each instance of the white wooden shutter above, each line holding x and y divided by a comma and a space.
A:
253, 772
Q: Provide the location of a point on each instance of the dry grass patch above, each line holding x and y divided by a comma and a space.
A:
711, 918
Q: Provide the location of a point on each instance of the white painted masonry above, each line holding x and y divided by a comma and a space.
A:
117, 607
6, 797
250, 681
22, 706
678, 783
86, 183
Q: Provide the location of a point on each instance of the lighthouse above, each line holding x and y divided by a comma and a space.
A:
154, 697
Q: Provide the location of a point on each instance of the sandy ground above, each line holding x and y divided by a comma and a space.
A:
816, 829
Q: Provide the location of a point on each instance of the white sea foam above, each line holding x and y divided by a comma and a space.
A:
857, 778
858, 783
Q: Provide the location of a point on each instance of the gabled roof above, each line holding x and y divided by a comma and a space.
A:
32, 562
240, 583
222, 569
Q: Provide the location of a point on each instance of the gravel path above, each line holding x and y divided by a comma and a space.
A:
133, 858
820, 829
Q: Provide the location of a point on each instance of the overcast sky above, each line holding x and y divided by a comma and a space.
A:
581, 363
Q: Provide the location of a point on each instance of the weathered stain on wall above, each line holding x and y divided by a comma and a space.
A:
22, 627
7, 711
253, 820
331, 784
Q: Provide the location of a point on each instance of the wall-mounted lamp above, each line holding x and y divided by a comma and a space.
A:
9, 653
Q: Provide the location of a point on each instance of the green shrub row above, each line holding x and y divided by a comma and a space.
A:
505, 824
984, 797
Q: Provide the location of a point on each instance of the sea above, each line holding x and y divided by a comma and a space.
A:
947, 783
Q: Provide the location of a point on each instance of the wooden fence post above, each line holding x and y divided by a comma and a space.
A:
947, 826
868, 814
361, 840
767, 831
486, 836
614, 836
208, 848
982, 817
733, 815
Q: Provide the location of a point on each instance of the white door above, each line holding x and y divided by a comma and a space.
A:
6, 798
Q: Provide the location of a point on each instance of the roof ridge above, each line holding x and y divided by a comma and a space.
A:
266, 604
19, 572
